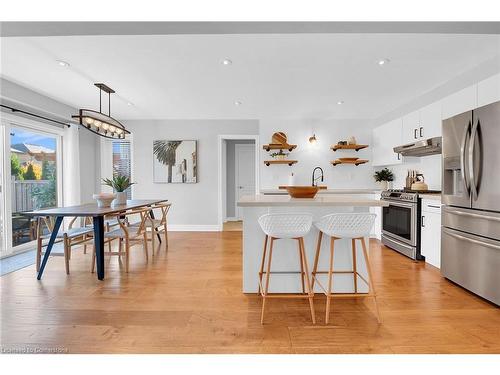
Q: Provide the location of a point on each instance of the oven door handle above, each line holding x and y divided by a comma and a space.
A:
399, 204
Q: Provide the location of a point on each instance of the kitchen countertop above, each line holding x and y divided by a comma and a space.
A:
324, 191
319, 200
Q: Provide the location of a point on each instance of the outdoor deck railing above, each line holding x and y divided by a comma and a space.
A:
22, 194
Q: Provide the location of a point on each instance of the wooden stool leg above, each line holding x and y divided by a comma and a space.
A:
66, 253
301, 256
309, 289
370, 277
261, 272
354, 265
268, 274
316, 259
330, 281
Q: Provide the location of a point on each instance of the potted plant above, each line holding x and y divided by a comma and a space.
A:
384, 177
279, 155
119, 184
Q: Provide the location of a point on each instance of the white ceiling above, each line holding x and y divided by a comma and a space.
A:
273, 75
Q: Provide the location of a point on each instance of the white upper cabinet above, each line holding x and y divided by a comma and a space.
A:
459, 102
411, 127
385, 138
430, 121
488, 91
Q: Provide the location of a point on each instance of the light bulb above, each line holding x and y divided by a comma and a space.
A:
112, 128
97, 123
105, 125
119, 131
88, 120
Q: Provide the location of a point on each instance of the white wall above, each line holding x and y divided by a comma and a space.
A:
327, 132
430, 166
194, 206
90, 175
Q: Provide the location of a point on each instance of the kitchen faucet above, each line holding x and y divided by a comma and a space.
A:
317, 178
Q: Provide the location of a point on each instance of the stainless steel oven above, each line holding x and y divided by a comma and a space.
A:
400, 223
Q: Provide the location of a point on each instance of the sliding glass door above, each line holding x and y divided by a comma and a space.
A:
3, 168
32, 180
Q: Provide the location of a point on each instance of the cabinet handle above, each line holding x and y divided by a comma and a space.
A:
415, 133
423, 223
421, 131
399, 156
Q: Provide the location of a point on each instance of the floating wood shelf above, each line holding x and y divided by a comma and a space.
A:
289, 162
279, 146
348, 147
355, 162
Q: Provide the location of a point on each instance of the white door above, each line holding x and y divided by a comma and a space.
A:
244, 173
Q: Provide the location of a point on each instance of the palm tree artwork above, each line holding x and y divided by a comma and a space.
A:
165, 154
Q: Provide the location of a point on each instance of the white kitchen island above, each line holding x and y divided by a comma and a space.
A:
285, 253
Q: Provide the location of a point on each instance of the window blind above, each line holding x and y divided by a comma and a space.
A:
121, 161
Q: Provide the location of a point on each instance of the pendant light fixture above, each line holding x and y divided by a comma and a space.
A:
100, 123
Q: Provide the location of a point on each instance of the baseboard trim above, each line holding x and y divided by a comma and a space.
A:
194, 228
232, 218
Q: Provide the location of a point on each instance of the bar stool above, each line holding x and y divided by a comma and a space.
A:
285, 226
346, 225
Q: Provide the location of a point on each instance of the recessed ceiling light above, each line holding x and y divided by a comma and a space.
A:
340, 102
62, 63
237, 102
383, 61
130, 104
226, 62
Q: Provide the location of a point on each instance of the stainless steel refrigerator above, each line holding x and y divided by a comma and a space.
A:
470, 244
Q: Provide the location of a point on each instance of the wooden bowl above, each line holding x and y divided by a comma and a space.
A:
302, 191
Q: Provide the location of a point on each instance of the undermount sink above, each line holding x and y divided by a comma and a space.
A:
302, 191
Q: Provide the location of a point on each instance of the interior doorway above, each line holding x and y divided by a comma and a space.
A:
238, 176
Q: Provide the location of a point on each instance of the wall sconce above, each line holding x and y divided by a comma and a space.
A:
313, 140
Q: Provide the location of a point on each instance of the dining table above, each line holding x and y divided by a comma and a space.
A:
97, 214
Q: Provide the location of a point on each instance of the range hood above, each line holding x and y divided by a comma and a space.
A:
424, 147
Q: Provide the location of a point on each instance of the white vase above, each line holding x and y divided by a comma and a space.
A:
383, 185
121, 199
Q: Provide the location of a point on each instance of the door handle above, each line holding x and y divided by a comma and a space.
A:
462, 158
415, 133
423, 223
473, 183
477, 242
421, 131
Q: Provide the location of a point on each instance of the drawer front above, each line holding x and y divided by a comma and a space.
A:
472, 262
429, 205
480, 223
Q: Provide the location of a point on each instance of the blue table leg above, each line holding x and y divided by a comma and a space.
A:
53, 237
99, 245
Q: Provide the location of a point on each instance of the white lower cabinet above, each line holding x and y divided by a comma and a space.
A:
430, 241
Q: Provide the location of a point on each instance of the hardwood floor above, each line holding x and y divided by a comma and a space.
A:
189, 300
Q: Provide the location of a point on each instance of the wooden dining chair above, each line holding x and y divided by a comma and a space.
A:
155, 226
70, 237
127, 236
